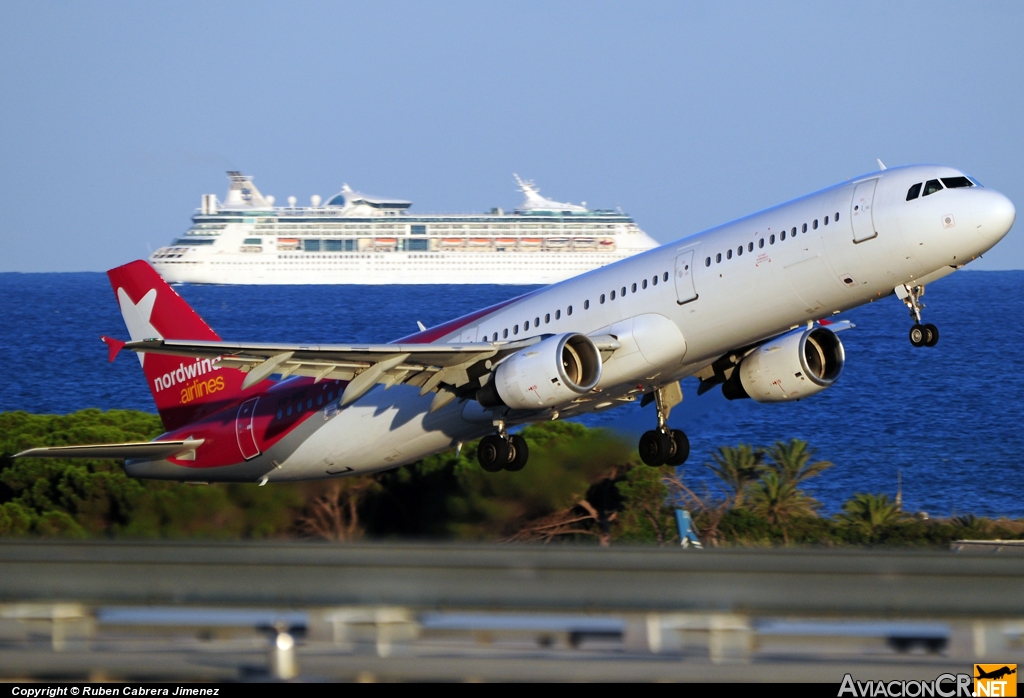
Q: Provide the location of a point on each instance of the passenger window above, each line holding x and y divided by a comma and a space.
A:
707, 262
750, 247
760, 243
309, 404
568, 311
633, 287
739, 250
644, 284
515, 329
320, 399
804, 230
330, 395
547, 319
536, 322
586, 305
602, 299
931, 186
655, 281
771, 239
728, 254
624, 288
289, 410
495, 337
664, 277
280, 414
956, 182
558, 314
782, 235
613, 295
826, 220
815, 224
836, 217
792, 233
504, 333
718, 259
526, 325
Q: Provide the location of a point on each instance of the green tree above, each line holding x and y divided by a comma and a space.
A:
792, 461
870, 515
737, 467
646, 514
778, 501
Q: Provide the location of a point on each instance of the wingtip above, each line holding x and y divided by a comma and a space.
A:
113, 347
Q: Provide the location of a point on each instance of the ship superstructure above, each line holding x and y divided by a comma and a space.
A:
355, 238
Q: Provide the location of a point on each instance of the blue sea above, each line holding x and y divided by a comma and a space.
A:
948, 418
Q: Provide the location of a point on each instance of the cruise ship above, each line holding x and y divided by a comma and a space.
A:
359, 239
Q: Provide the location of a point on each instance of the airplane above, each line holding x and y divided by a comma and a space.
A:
744, 306
994, 674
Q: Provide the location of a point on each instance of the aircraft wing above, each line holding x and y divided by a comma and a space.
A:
445, 368
143, 449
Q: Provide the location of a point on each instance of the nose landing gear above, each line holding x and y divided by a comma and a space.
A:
664, 446
920, 335
502, 451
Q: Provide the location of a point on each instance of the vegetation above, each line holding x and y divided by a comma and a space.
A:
582, 485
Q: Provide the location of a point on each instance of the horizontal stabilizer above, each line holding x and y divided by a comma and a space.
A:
113, 347
141, 450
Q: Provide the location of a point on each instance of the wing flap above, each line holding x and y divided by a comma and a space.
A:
141, 450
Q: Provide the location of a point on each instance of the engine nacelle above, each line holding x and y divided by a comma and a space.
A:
549, 373
792, 367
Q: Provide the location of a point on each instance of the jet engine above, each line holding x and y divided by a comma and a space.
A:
549, 373
794, 366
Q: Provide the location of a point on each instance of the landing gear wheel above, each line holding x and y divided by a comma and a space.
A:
518, 453
933, 335
682, 450
918, 335
656, 448
493, 453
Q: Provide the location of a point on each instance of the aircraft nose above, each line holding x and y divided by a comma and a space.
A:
993, 213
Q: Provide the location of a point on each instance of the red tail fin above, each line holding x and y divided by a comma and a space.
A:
184, 390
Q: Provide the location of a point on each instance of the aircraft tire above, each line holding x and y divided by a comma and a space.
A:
682, 448
519, 453
655, 448
933, 335
918, 335
492, 453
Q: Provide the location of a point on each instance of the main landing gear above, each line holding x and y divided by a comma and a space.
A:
502, 451
920, 335
664, 446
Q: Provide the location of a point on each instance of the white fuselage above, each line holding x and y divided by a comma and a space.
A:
690, 302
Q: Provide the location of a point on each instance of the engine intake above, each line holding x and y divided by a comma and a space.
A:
549, 373
794, 366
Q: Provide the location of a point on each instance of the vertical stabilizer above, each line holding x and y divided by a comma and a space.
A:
184, 390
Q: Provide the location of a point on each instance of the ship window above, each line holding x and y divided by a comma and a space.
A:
728, 254
760, 243
310, 245
804, 230
547, 319
418, 229
515, 329
707, 262
718, 257
956, 182
664, 276
602, 299
771, 239
931, 186
568, 311
586, 305
504, 333
815, 224
613, 295
253, 241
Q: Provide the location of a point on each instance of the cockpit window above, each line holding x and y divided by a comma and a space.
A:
956, 182
932, 186
915, 191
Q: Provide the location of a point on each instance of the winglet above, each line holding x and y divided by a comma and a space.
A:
113, 347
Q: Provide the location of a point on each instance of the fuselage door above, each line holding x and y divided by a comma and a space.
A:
685, 291
861, 211
244, 429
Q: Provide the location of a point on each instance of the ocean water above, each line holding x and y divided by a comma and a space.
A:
948, 418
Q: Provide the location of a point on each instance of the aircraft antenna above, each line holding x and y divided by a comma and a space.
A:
881, 165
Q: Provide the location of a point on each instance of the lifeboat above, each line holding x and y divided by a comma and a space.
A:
286, 244
505, 242
584, 243
607, 244
556, 243
480, 242
385, 243
532, 243
453, 242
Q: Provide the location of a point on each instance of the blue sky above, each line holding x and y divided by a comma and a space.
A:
115, 117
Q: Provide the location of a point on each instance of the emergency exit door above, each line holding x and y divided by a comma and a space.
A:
244, 429
861, 211
685, 291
